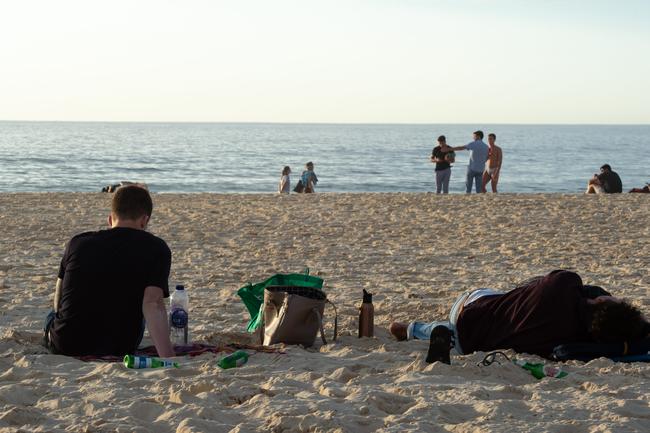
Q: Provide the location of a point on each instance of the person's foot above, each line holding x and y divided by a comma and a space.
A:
439, 345
398, 330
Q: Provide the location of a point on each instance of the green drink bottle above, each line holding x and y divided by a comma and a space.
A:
540, 370
233, 360
131, 361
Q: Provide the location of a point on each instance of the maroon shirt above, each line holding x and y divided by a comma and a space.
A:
530, 319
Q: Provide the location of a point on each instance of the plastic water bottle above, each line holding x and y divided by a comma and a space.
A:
178, 317
540, 370
131, 361
233, 360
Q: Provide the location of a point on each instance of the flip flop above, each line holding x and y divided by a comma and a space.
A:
439, 345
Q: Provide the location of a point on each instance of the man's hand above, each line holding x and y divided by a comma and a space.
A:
155, 313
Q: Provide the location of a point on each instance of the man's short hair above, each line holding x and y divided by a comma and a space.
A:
606, 167
615, 322
442, 139
479, 133
492, 135
131, 202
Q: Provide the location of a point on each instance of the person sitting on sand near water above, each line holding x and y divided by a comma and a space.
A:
110, 282
308, 178
533, 318
607, 182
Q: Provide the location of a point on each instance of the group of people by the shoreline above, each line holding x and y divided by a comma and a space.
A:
484, 163
306, 183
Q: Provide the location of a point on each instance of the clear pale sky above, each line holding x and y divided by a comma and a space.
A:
402, 61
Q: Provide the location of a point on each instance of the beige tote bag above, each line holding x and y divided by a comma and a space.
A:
294, 315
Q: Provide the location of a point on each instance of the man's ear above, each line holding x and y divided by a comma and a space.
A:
144, 220
110, 220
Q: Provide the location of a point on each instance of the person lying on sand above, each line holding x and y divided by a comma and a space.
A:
533, 318
644, 190
110, 282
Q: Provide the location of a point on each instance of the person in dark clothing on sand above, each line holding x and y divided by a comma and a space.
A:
607, 182
533, 318
110, 282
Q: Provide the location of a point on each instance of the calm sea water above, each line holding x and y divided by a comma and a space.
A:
246, 158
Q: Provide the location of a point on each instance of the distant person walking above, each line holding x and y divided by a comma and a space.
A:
308, 179
478, 154
285, 181
443, 157
607, 182
493, 164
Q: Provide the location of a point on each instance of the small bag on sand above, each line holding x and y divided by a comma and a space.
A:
294, 315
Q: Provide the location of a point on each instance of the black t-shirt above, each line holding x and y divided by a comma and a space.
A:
611, 182
439, 154
104, 275
530, 319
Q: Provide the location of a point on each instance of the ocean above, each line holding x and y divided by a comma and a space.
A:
248, 157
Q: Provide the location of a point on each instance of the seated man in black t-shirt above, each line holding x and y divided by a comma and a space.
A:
110, 283
607, 182
533, 318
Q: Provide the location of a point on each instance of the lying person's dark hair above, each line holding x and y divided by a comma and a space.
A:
614, 322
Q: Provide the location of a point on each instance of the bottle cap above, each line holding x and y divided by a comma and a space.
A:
180, 287
367, 297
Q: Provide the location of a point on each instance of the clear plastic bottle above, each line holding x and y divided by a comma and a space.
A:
179, 317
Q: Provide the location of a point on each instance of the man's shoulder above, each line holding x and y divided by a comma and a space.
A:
155, 240
562, 280
82, 237
133, 235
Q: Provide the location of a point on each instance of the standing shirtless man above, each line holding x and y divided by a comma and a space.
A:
493, 165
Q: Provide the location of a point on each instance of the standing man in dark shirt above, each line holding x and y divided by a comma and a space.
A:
443, 156
109, 282
533, 318
608, 182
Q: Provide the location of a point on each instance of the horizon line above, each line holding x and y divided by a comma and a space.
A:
189, 122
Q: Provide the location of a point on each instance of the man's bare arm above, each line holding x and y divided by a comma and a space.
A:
499, 160
459, 148
57, 294
155, 313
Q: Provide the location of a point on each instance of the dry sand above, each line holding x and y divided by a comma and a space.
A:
416, 252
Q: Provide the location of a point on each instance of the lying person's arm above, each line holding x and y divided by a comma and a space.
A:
155, 313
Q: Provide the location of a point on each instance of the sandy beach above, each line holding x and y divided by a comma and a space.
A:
415, 252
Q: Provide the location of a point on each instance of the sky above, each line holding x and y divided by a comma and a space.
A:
354, 61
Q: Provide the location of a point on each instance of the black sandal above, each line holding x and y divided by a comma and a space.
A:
439, 345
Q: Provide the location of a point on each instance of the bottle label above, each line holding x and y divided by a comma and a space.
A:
178, 318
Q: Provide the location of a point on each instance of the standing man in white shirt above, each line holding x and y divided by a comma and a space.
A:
478, 154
